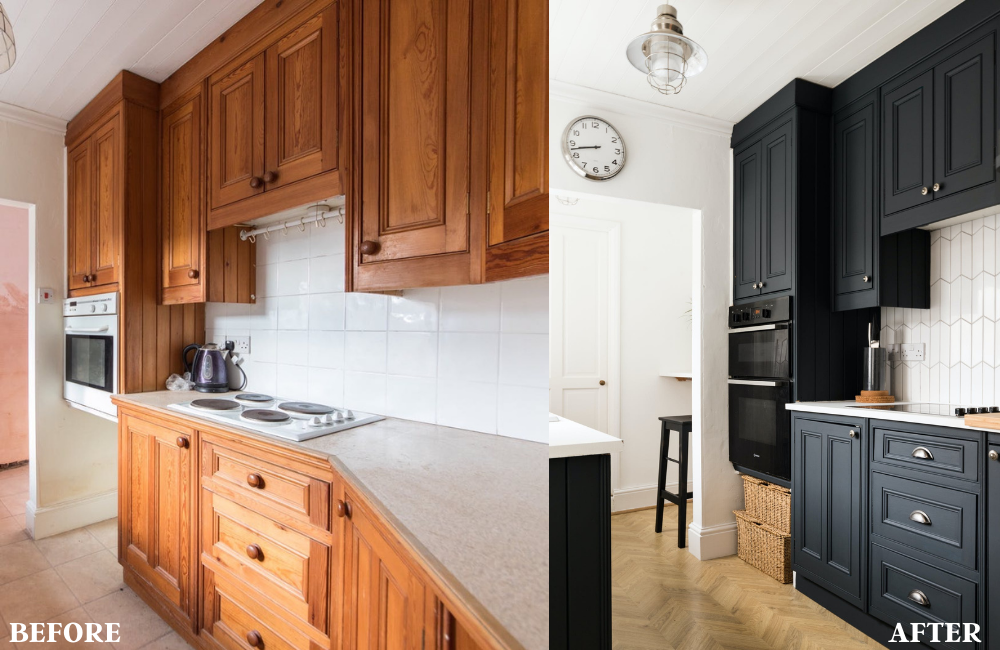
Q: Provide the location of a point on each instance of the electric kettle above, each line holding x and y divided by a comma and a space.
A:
208, 372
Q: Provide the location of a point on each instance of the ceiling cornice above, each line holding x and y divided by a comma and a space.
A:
31, 119
629, 106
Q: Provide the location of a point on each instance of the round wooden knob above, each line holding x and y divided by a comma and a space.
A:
254, 552
87, 278
254, 480
193, 274
602, 382
253, 638
256, 182
270, 177
182, 442
348, 510
369, 247
341, 508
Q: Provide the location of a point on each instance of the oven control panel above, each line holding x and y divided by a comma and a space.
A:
96, 305
762, 312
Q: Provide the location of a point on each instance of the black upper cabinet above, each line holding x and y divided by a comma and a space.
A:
855, 229
746, 221
907, 144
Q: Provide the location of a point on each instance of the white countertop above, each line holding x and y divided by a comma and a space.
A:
568, 438
850, 409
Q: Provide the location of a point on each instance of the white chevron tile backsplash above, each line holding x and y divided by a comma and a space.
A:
960, 331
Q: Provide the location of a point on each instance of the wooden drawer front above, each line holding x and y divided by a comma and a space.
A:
303, 497
231, 615
948, 456
899, 506
291, 568
950, 599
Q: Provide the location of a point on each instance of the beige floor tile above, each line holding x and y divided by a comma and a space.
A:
12, 530
19, 560
172, 641
37, 597
4, 632
4, 512
15, 502
64, 547
106, 533
92, 576
13, 484
79, 616
139, 624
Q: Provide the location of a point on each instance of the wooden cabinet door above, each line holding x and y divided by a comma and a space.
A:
777, 209
828, 502
80, 221
907, 144
383, 597
746, 221
301, 105
236, 132
416, 111
518, 144
450, 632
964, 117
182, 207
108, 199
855, 231
157, 507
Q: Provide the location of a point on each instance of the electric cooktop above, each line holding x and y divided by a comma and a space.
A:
928, 409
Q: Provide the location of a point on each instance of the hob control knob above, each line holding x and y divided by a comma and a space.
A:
348, 414
328, 419
316, 421
104, 308
959, 411
92, 308
995, 409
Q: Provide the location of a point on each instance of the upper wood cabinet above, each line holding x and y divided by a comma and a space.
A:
273, 121
518, 193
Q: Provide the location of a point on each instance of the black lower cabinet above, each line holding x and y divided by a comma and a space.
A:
580, 553
993, 542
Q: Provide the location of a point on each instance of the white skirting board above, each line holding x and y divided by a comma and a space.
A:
713, 541
641, 497
69, 515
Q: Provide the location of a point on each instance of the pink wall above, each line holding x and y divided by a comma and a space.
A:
13, 334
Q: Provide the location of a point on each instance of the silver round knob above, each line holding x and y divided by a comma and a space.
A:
936, 187
853, 433
866, 278
923, 191
993, 455
753, 286
761, 285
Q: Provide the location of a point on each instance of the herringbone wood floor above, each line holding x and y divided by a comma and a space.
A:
663, 597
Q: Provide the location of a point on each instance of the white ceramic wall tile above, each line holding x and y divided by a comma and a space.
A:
473, 357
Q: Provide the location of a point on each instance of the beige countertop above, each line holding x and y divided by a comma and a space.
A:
475, 505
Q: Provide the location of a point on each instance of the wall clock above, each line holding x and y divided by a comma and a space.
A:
593, 148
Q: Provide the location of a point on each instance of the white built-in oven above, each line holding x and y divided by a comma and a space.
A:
90, 369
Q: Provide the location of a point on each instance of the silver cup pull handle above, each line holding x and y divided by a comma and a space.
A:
920, 517
919, 598
922, 453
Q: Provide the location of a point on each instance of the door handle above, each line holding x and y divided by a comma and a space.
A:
754, 382
920, 517
923, 453
86, 330
602, 382
919, 598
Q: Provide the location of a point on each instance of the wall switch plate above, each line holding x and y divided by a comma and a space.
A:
912, 351
46, 295
242, 344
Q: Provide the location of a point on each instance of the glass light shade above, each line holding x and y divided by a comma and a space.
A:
668, 59
7, 51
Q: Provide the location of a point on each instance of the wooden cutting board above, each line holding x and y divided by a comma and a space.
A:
983, 421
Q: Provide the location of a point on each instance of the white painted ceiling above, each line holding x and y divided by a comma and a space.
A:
754, 46
68, 50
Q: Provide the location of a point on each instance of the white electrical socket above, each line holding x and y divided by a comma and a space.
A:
241, 344
912, 351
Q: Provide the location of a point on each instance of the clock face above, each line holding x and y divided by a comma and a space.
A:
593, 148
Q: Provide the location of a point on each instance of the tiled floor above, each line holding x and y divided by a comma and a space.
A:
73, 577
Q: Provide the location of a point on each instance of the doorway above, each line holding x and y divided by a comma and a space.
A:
14, 306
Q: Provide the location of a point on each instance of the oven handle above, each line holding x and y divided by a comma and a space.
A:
756, 382
86, 330
759, 328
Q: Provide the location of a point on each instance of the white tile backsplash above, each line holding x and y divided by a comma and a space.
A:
474, 357
961, 361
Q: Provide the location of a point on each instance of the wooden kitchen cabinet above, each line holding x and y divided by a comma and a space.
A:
450, 632
274, 120
518, 188
155, 502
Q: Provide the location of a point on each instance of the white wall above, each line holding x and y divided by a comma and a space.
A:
471, 357
74, 454
684, 160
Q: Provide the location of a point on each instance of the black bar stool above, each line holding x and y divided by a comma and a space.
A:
681, 424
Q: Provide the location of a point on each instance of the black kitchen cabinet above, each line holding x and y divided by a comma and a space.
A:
828, 496
993, 541
746, 221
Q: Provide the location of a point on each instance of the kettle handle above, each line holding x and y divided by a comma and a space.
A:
184, 355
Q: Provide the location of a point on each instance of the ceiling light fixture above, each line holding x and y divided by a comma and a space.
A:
7, 51
666, 56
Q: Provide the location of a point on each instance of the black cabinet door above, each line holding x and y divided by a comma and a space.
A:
964, 103
746, 221
827, 502
907, 144
992, 619
777, 209
855, 230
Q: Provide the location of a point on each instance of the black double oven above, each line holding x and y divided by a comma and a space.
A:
760, 385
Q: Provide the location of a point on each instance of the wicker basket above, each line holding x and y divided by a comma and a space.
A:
763, 547
769, 503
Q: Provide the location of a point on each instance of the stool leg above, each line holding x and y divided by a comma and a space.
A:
682, 490
661, 479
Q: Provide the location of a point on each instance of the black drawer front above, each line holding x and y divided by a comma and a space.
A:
927, 453
938, 520
894, 577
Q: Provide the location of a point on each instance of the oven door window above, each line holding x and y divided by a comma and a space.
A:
763, 353
759, 434
89, 361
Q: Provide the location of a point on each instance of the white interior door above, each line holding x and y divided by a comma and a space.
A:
583, 309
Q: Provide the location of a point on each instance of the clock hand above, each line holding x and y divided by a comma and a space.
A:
596, 146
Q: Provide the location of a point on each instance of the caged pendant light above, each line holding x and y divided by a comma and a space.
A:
7, 51
665, 55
